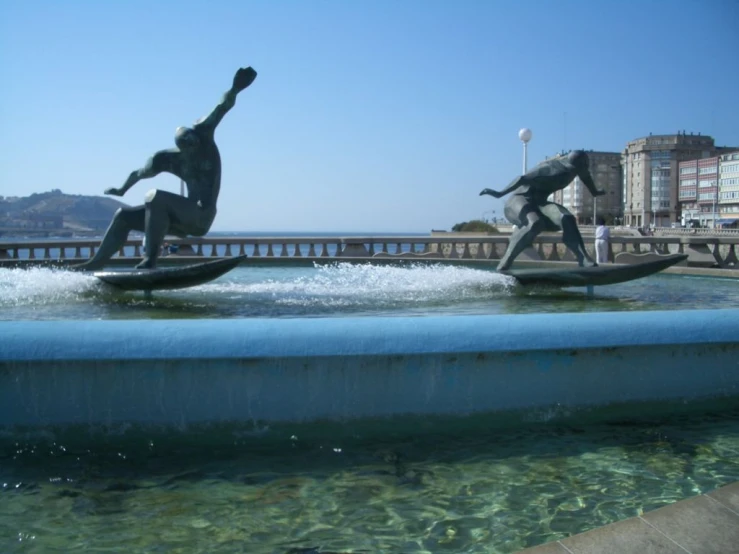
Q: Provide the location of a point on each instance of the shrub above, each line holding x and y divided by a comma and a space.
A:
474, 226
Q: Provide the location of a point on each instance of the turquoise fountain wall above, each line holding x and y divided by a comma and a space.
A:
290, 370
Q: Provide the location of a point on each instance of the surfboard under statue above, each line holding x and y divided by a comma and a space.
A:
168, 277
593, 276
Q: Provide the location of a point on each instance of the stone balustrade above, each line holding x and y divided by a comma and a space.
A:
706, 251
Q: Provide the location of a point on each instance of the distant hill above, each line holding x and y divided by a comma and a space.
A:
56, 214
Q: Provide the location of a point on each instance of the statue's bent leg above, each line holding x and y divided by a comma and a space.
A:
573, 240
156, 227
559, 217
166, 211
124, 221
521, 239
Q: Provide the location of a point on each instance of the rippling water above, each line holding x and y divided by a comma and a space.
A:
343, 289
491, 490
480, 488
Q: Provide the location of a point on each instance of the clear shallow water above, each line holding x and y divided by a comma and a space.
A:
491, 490
344, 289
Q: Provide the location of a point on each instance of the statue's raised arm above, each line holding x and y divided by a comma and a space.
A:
244, 77
196, 161
517, 183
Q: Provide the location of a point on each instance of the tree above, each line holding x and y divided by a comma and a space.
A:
474, 226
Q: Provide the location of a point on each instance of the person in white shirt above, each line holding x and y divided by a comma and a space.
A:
602, 238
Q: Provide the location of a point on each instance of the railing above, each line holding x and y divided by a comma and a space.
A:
702, 251
696, 232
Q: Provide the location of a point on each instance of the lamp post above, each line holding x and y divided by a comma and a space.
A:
715, 200
525, 136
594, 209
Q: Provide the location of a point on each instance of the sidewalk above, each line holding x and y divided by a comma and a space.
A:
705, 524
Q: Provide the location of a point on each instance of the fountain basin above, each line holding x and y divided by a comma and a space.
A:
176, 372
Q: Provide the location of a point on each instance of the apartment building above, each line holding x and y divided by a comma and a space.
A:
605, 167
650, 185
728, 188
698, 192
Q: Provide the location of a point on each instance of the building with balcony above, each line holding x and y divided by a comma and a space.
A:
687, 195
650, 187
728, 188
698, 192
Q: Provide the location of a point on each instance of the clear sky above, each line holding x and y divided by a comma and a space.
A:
382, 115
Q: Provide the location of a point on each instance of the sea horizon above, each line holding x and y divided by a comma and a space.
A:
220, 234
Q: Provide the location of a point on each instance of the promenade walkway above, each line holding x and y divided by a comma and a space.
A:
705, 524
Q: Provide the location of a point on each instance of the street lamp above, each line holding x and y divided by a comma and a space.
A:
715, 200
595, 198
525, 136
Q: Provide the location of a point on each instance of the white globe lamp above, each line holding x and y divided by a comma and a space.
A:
525, 135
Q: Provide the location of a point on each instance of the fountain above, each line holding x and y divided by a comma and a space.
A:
366, 373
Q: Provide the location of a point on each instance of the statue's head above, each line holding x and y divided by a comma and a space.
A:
579, 159
186, 138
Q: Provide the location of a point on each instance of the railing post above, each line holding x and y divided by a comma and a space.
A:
554, 257
540, 249
480, 255
714, 247
731, 258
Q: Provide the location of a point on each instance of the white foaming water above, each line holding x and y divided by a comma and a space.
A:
42, 286
345, 284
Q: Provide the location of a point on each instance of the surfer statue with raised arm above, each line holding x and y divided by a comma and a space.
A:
530, 210
197, 162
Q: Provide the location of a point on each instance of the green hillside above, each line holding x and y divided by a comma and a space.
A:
55, 214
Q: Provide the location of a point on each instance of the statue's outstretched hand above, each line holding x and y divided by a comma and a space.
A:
490, 192
244, 77
114, 191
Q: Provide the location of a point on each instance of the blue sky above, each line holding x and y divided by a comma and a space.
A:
383, 115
